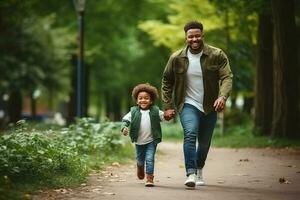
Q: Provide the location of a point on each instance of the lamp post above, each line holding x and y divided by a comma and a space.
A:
79, 7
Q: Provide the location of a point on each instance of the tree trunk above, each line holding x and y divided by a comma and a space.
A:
264, 76
72, 98
248, 104
33, 105
15, 106
286, 71
108, 105
50, 99
86, 90
117, 108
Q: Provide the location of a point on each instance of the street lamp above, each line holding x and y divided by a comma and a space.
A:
79, 7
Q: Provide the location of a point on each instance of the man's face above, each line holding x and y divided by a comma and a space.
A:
194, 39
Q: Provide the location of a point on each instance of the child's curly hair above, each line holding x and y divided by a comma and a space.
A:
145, 87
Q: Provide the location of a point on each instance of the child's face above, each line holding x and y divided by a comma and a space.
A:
144, 100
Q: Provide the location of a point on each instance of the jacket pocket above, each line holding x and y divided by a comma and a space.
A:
212, 67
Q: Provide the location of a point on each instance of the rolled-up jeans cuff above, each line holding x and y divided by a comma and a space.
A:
190, 171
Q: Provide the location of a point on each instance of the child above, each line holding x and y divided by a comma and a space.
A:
145, 130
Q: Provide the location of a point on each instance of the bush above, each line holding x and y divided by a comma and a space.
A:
88, 137
61, 157
34, 155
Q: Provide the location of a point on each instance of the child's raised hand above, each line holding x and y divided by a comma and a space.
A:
125, 131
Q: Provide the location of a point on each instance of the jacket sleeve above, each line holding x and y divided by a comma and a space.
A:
126, 121
225, 76
167, 84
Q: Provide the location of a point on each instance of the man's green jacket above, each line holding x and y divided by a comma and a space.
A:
217, 78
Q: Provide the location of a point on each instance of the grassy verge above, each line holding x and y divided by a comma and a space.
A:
33, 159
240, 136
236, 136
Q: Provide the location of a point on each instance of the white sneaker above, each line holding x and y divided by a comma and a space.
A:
191, 180
199, 178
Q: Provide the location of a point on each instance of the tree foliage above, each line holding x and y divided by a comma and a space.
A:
223, 27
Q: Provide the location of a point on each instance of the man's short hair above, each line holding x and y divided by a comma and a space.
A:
193, 25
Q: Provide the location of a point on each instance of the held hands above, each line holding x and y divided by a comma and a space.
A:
219, 104
125, 131
169, 114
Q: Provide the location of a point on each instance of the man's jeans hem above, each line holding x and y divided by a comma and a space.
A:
190, 171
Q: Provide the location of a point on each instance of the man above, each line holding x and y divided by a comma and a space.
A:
197, 80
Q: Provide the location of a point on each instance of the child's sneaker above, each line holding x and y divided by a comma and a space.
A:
191, 180
149, 181
199, 178
140, 172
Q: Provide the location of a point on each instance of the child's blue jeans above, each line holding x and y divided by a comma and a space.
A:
146, 153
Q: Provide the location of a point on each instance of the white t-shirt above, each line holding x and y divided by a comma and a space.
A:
144, 135
195, 89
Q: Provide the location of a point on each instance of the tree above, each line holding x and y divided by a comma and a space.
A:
264, 74
286, 72
31, 58
229, 25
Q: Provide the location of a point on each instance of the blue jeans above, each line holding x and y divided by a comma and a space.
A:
146, 153
196, 125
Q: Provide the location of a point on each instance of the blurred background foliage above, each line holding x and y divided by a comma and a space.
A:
126, 42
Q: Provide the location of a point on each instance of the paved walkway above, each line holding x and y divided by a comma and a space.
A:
230, 174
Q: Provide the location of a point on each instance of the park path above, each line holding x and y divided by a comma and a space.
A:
230, 174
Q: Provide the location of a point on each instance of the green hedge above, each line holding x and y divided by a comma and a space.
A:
49, 157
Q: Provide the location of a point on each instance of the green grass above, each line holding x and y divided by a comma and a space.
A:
172, 131
236, 136
34, 158
25, 189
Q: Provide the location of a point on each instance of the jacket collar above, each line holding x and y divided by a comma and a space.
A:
206, 51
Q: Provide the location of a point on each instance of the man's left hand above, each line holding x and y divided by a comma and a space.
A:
220, 104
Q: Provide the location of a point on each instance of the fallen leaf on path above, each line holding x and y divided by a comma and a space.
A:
286, 165
181, 166
244, 160
240, 174
109, 193
221, 182
83, 184
283, 180
61, 190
